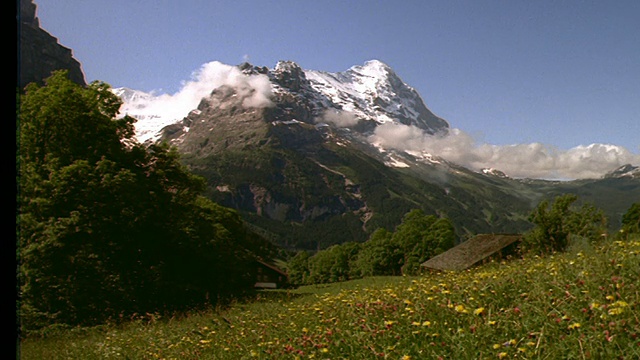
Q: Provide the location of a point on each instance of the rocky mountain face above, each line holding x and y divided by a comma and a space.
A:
303, 171
625, 171
39, 53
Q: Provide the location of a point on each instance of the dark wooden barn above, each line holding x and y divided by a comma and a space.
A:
269, 276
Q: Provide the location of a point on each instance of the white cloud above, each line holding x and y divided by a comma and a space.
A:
338, 118
156, 111
533, 160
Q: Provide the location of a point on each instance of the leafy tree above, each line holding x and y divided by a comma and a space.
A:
555, 223
416, 239
631, 220
298, 268
379, 256
107, 226
438, 238
333, 264
413, 229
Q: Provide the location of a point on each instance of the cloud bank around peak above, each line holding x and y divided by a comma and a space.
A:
156, 111
534, 160
338, 118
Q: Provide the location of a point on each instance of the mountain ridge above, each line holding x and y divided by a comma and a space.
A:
39, 52
293, 151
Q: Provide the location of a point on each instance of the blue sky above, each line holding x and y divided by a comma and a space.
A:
562, 73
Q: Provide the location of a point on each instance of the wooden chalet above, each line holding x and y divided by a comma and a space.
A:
474, 251
269, 276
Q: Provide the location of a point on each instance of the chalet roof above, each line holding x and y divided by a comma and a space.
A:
471, 252
271, 266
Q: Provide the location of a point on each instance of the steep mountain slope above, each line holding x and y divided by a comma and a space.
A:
303, 171
39, 53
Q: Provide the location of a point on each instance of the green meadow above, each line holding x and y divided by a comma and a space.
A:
580, 304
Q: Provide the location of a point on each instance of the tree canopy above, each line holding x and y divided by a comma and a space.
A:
631, 220
416, 239
555, 223
108, 226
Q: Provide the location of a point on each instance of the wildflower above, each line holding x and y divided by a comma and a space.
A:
496, 346
620, 304
516, 310
426, 323
573, 326
461, 309
478, 311
324, 350
389, 324
502, 355
407, 357
510, 342
615, 311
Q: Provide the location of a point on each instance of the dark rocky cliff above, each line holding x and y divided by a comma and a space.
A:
39, 53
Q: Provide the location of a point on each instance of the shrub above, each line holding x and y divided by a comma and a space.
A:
557, 222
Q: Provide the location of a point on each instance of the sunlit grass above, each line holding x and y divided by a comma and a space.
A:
582, 304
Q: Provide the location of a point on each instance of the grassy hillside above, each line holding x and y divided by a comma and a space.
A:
584, 304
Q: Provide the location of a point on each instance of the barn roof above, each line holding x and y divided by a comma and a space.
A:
271, 266
471, 252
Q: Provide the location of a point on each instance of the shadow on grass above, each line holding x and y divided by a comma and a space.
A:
268, 295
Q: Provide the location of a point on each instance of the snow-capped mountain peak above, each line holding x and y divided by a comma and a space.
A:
374, 92
625, 171
371, 92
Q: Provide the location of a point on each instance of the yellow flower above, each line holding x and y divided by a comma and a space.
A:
616, 311
406, 357
573, 326
478, 311
460, 309
426, 323
324, 350
502, 355
496, 346
620, 303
